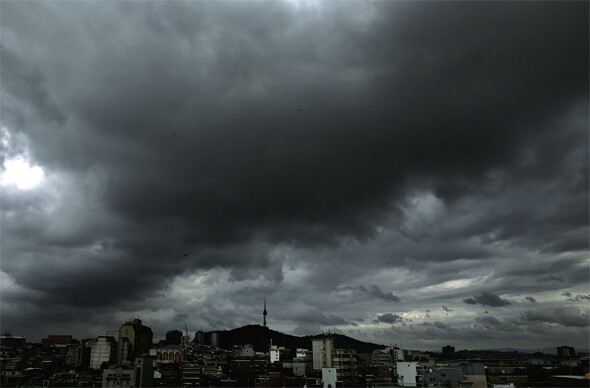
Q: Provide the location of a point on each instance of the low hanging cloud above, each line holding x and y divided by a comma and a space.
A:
569, 317
445, 308
488, 299
390, 318
531, 299
579, 298
378, 293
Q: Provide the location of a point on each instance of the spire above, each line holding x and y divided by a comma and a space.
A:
264, 313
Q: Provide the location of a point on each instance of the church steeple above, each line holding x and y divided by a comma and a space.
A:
264, 313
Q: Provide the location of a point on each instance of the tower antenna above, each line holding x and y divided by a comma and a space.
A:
264, 313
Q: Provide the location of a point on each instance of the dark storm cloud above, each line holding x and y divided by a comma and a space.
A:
487, 299
314, 316
378, 293
564, 316
488, 321
390, 318
579, 298
531, 299
200, 136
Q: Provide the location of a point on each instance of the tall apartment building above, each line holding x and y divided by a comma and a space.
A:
139, 336
322, 349
344, 360
103, 350
74, 355
123, 346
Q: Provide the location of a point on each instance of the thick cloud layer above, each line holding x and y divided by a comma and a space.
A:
340, 159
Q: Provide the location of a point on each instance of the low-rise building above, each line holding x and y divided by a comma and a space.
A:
57, 340
114, 378
168, 354
406, 373
277, 353
11, 341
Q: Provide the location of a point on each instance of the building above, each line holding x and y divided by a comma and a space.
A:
11, 341
322, 349
174, 337
144, 372
200, 337
104, 350
169, 354
301, 365
56, 340
344, 360
215, 339
246, 351
566, 352
277, 353
191, 375
396, 353
473, 373
448, 349
329, 377
302, 353
406, 374
139, 336
113, 378
381, 357
446, 376
74, 355
142, 375
123, 346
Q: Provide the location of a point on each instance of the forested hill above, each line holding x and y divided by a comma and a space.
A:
260, 338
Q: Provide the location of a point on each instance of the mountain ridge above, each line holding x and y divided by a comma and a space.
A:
260, 338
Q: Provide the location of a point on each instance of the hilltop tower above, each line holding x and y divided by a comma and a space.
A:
264, 313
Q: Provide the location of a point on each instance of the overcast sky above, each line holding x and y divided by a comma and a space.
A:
400, 172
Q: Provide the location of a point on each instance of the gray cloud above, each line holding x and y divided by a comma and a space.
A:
563, 316
487, 299
579, 298
242, 151
531, 299
378, 293
390, 318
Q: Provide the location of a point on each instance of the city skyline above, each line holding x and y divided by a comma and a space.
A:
392, 171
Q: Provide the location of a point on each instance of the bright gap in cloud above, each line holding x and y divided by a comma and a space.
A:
20, 173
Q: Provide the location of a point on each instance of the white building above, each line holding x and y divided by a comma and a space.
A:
322, 352
275, 356
406, 374
302, 353
329, 377
277, 352
104, 349
247, 351
114, 378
